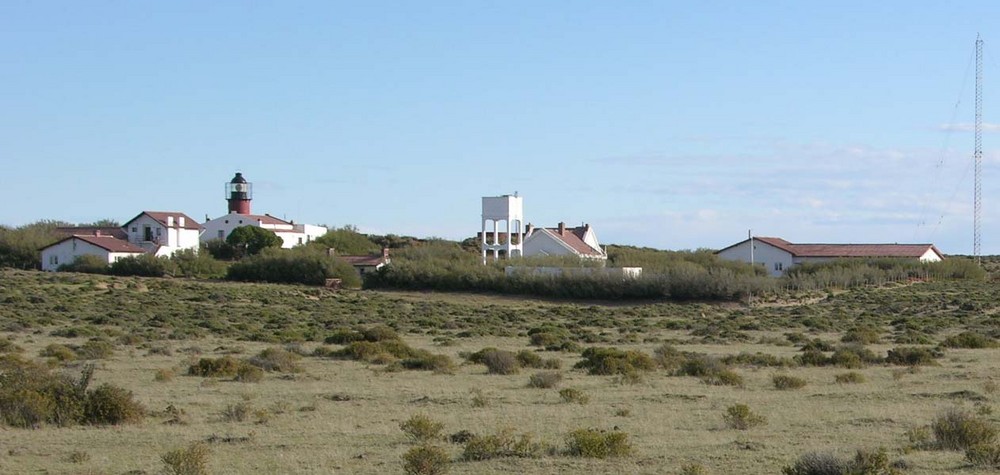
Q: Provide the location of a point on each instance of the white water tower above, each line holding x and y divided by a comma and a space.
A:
503, 226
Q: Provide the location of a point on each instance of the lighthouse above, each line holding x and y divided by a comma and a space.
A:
239, 192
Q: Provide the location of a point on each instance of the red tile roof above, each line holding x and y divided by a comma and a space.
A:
850, 250
573, 237
92, 230
161, 217
108, 243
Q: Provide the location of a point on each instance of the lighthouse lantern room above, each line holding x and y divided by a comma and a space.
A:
239, 192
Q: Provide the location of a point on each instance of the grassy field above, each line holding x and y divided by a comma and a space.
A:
334, 414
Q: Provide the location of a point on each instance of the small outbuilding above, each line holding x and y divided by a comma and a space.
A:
107, 248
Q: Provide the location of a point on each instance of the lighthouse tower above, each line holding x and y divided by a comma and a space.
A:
239, 192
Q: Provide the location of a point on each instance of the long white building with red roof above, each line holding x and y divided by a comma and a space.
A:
777, 255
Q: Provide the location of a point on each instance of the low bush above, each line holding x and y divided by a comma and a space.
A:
574, 395
192, 460
545, 380
421, 428
609, 361
724, 377
529, 359
95, 349
390, 351
668, 357
111, 405
985, 455
248, 373
426, 460
969, 340
276, 359
144, 265
865, 462
593, 443
700, 366
862, 335
504, 443
224, 367
955, 429
758, 359
501, 362
784, 381
238, 412
693, 469
913, 356
852, 377
740, 417
58, 352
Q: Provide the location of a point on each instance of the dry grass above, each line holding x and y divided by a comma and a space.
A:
344, 416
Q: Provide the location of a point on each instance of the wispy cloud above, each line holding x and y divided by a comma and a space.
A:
966, 127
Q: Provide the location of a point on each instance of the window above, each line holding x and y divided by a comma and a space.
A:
158, 230
779, 266
222, 234
134, 229
300, 240
54, 260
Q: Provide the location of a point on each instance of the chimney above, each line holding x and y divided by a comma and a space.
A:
180, 221
331, 252
170, 221
97, 232
562, 227
530, 229
586, 227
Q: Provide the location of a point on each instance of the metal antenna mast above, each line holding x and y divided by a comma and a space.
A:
978, 205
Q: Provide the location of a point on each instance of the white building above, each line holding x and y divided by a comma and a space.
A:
503, 226
162, 233
107, 248
777, 255
580, 241
239, 193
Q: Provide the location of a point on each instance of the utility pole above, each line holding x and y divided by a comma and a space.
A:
752, 268
978, 203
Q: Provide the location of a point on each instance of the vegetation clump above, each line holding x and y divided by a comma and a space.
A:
276, 359
865, 462
609, 361
784, 381
545, 379
574, 395
504, 443
426, 460
969, 339
740, 417
852, 377
913, 356
594, 443
422, 428
191, 460
955, 429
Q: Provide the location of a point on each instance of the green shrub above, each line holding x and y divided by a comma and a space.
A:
693, 469
784, 381
422, 428
111, 405
7, 346
87, 263
739, 416
501, 362
724, 377
593, 443
700, 366
301, 265
969, 340
95, 349
608, 361
955, 429
865, 462
58, 352
529, 359
545, 380
226, 366
913, 356
853, 356
247, 373
852, 377
426, 460
192, 460
504, 443
238, 412
30, 395
986, 455
574, 395
144, 265
276, 359
668, 357
863, 335
757, 359
78, 456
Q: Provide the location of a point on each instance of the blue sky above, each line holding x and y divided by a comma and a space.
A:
675, 125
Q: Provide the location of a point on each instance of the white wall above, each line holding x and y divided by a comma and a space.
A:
170, 239
774, 260
67, 251
290, 235
542, 243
